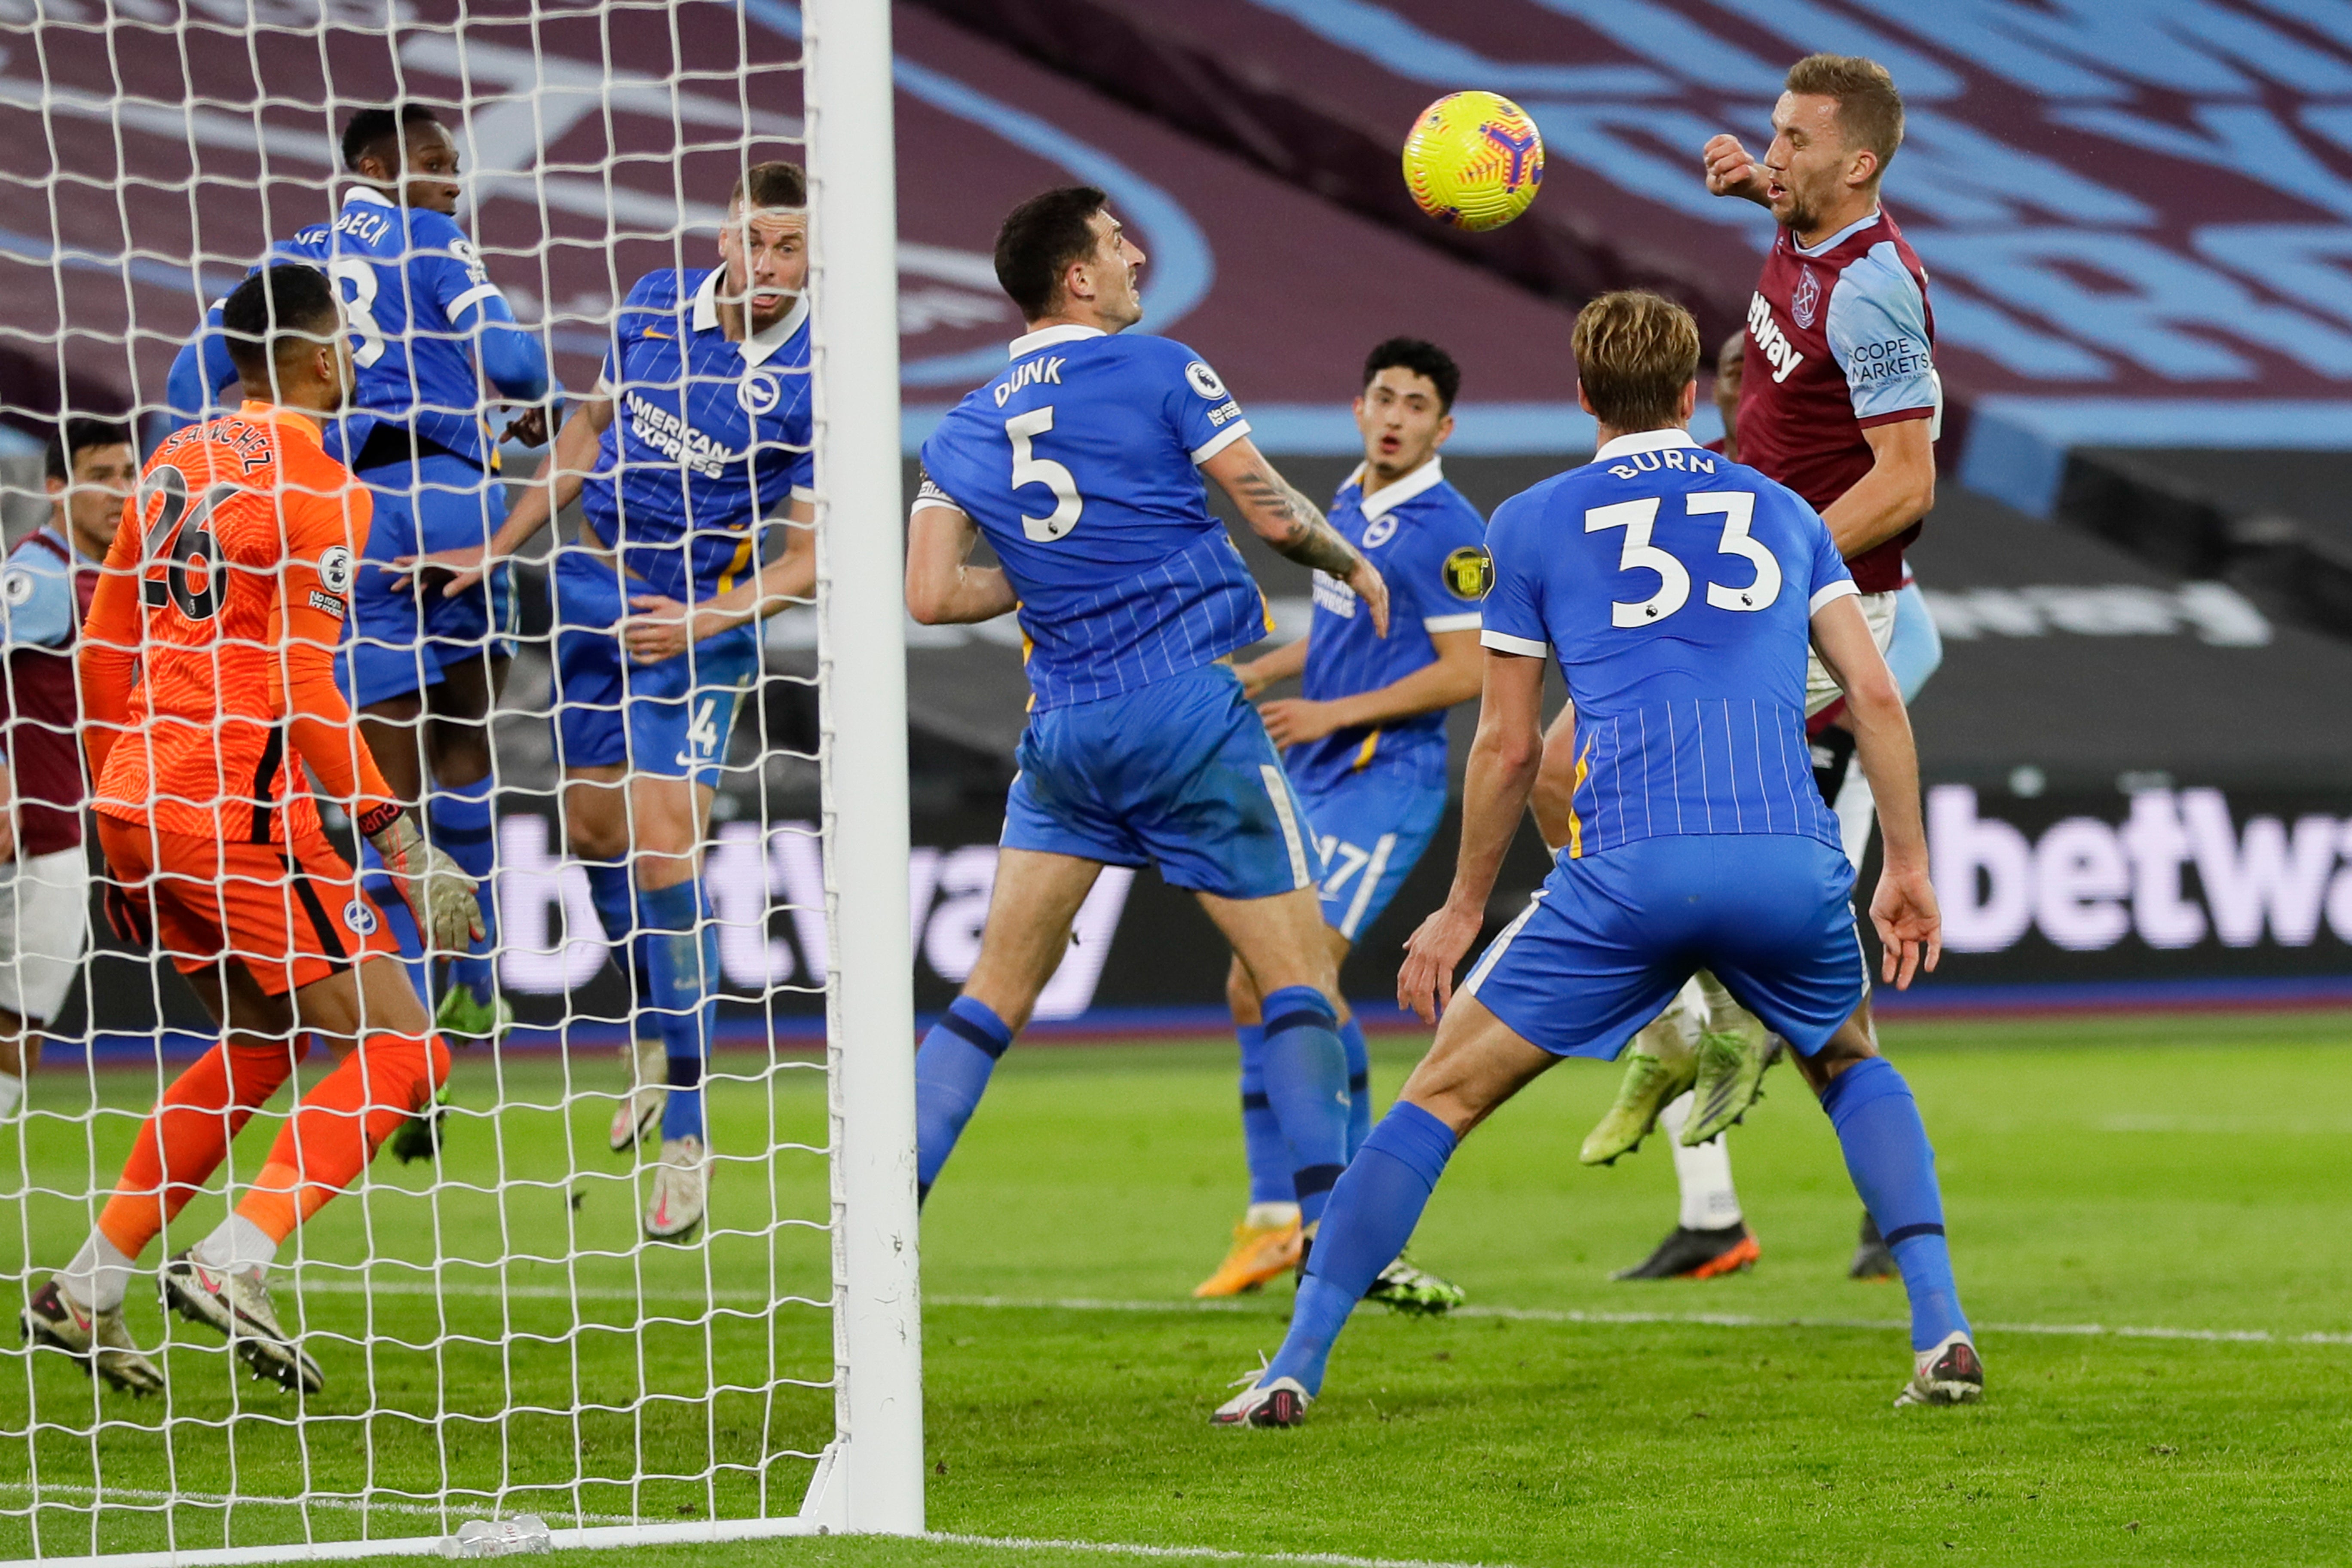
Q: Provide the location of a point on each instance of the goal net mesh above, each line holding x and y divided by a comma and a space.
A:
496, 1335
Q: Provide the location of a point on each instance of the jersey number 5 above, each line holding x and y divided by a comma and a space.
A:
1738, 510
1028, 468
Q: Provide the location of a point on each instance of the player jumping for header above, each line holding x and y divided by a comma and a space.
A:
207, 675
1365, 745
696, 439
1082, 465
423, 314
1678, 592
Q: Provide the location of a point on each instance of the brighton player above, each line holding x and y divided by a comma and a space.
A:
428, 328
1678, 591
1842, 407
695, 440
45, 593
1082, 465
1365, 746
208, 683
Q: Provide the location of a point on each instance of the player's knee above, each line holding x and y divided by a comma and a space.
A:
1850, 1045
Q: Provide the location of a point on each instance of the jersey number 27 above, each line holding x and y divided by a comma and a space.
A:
1738, 510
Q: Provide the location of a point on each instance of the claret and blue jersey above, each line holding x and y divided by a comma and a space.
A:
1677, 590
1080, 464
710, 439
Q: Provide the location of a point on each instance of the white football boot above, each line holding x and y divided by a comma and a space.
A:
235, 1303
681, 1190
98, 1341
1281, 1403
639, 1116
1949, 1373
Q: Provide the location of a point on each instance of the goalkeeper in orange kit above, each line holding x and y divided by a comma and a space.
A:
208, 682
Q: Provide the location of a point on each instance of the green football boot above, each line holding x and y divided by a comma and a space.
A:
1731, 1065
1650, 1085
1405, 1287
468, 1017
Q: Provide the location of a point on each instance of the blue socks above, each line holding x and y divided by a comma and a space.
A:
1893, 1169
461, 826
685, 997
1373, 1211
1306, 1085
615, 898
1360, 1085
951, 1073
1263, 1144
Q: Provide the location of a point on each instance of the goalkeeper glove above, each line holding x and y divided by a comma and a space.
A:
439, 895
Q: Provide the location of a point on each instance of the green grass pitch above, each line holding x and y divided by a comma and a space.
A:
2180, 1174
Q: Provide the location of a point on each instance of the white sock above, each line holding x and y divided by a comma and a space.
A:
12, 1090
99, 1275
1703, 1175
236, 1244
1267, 1216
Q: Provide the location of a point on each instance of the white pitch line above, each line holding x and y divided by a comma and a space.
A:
339, 1504
1209, 1554
1707, 1320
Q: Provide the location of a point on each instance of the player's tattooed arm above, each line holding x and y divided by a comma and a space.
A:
1294, 525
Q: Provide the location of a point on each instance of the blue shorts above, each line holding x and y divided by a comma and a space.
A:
400, 641
1179, 773
1612, 937
1372, 829
671, 720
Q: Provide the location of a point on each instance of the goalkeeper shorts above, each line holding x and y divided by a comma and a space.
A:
292, 913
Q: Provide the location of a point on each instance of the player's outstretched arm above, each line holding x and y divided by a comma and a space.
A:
1454, 677
1730, 171
556, 486
1504, 760
1294, 525
943, 588
1285, 663
663, 628
1910, 926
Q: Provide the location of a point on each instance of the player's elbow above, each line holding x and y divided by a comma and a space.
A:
926, 601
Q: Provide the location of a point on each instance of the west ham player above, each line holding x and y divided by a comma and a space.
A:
1679, 592
1365, 745
1082, 464
696, 439
1840, 402
207, 674
44, 874
427, 327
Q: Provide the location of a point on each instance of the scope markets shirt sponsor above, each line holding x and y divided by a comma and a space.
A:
1840, 338
1081, 464
710, 439
1429, 543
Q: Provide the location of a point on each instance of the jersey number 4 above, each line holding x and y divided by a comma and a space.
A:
1028, 468
1738, 510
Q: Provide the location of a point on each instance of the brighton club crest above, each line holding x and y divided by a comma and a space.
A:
1806, 302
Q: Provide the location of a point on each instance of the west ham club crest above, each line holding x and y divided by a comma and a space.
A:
1806, 302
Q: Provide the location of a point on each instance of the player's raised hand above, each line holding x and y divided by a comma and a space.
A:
1730, 171
1910, 926
461, 568
438, 893
1367, 581
1426, 983
661, 628
533, 425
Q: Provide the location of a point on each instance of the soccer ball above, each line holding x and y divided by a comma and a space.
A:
1474, 159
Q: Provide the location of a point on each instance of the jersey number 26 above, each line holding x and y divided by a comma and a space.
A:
1738, 510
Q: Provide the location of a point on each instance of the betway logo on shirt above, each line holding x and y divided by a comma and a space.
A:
1334, 595
1770, 341
673, 439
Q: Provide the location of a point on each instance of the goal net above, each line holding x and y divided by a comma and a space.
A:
495, 1333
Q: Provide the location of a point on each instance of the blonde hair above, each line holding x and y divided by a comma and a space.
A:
1869, 110
1635, 351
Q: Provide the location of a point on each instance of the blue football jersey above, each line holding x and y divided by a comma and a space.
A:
408, 277
1081, 464
1429, 543
710, 439
1677, 590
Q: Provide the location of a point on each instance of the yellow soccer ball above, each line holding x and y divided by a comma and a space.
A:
1474, 159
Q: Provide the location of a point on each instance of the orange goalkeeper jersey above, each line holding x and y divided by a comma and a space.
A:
208, 664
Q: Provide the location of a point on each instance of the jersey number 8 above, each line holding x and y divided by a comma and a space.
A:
1028, 468
1738, 510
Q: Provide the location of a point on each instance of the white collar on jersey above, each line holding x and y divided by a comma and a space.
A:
760, 344
1380, 501
1645, 441
366, 197
1046, 337
1840, 237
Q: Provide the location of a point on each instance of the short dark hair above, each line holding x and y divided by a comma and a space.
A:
79, 432
370, 128
1635, 351
1039, 240
777, 185
1423, 359
1869, 110
279, 304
